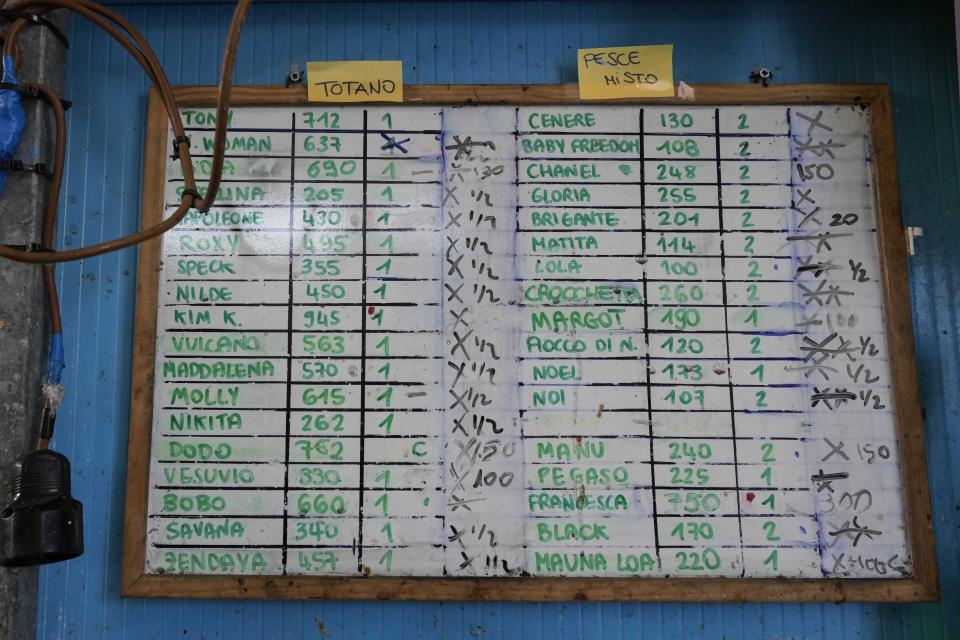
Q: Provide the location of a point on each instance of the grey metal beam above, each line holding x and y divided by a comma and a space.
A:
23, 315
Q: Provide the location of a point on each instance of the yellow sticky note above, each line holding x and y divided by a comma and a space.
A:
355, 81
625, 72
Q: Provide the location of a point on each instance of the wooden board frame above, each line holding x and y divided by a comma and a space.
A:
921, 586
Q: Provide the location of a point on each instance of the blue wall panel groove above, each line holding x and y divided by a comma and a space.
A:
908, 45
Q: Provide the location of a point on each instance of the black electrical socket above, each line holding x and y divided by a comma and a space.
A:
43, 523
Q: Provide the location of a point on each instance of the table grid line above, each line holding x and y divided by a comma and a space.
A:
289, 387
726, 324
363, 351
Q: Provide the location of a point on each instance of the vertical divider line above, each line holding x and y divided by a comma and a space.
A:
444, 440
363, 348
726, 334
517, 270
290, 227
646, 333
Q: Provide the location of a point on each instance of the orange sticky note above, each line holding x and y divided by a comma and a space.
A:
355, 81
625, 72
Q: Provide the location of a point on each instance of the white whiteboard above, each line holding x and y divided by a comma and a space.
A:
548, 341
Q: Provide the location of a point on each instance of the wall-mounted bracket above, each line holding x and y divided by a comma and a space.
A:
912, 233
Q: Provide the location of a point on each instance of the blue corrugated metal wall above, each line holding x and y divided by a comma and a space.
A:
909, 45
